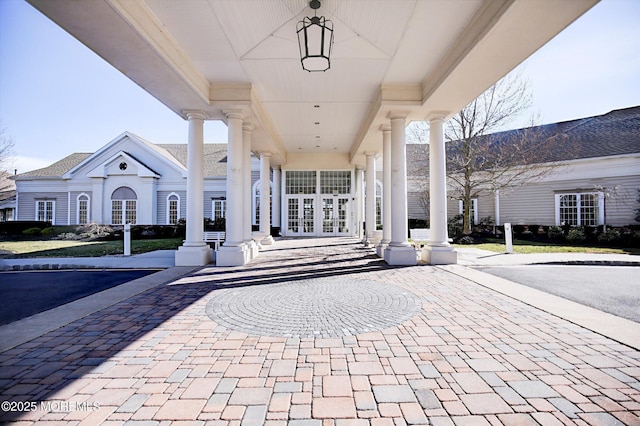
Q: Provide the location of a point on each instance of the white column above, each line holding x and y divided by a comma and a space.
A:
497, 206
276, 197
386, 191
399, 251
232, 252
359, 202
194, 251
252, 247
438, 251
370, 198
265, 197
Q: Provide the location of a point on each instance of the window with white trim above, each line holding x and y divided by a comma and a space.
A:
218, 209
124, 206
580, 209
173, 208
45, 210
257, 187
473, 211
83, 209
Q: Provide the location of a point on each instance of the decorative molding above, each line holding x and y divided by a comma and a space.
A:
195, 114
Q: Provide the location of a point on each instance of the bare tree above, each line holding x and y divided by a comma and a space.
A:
6, 153
479, 161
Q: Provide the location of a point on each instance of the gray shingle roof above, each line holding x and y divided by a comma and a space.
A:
614, 133
611, 134
215, 157
215, 161
57, 169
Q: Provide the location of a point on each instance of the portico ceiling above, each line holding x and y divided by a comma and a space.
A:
421, 57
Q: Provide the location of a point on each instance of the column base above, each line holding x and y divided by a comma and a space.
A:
194, 255
232, 255
437, 255
267, 240
380, 248
400, 255
252, 249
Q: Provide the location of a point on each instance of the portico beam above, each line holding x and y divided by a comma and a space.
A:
194, 251
399, 251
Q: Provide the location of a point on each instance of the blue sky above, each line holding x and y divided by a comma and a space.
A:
58, 97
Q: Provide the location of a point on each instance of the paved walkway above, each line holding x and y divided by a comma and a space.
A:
428, 346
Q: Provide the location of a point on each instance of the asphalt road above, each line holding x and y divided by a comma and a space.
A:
26, 293
612, 289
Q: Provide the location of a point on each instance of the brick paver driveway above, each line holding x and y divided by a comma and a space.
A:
320, 332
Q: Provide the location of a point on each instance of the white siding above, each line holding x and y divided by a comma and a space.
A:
27, 205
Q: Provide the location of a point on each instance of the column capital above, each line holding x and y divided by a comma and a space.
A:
192, 114
398, 114
437, 115
247, 127
264, 154
235, 113
371, 154
385, 128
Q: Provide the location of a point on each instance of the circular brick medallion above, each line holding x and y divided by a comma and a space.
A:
319, 307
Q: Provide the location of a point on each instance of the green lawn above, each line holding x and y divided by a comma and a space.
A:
65, 248
523, 246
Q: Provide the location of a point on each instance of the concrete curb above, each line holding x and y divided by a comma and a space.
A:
589, 263
616, 328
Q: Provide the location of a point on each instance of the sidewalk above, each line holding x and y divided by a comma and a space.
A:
320, 332
478, 257
154, 259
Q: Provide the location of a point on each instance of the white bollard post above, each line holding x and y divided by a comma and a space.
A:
508, 237
127, 239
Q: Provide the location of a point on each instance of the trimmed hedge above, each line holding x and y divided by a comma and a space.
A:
17, 227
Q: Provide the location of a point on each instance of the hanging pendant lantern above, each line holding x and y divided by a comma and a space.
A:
315, 39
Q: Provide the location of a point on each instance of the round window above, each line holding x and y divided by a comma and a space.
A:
123, 166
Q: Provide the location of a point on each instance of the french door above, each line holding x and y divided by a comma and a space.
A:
301, 215
335, 216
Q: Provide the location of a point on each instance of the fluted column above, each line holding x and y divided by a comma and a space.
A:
370, 198
438, 251
265, 198
252, 247
194, 251
232, 252
399, 251
386, 190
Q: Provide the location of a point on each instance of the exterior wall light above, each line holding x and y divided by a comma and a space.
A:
315, 39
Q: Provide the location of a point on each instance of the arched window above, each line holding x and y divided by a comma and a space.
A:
173, 208
256, 201
123, 206
83, 213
